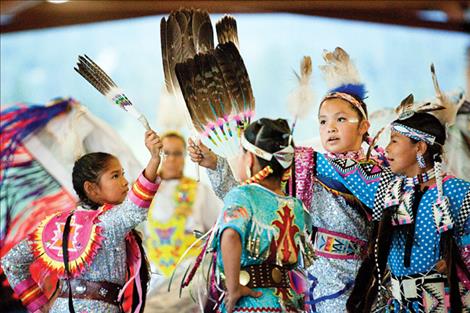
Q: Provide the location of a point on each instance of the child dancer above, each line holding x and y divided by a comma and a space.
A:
259, 235
421, 224
86, 248
339, 220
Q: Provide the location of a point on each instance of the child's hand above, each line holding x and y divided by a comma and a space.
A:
202, 155
153, 144
232, 297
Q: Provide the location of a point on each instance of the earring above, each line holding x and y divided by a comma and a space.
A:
421, 161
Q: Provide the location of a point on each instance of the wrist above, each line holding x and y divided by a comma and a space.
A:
213, 163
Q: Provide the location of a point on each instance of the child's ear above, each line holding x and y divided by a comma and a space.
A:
422, 147
251, 159
364, 128
90, 188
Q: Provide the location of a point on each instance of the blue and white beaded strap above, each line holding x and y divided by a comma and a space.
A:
464, 214
413, 133
386, 179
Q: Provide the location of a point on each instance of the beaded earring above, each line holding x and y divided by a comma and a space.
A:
421, 161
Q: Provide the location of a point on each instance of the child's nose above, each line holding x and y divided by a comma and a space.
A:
331, 127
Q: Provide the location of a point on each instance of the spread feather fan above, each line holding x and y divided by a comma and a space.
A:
219, 98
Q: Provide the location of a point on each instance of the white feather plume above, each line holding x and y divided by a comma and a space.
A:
302, 99
339, 69
170, 114
444, 106
449, 112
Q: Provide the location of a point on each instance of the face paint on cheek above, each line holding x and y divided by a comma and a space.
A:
353, 120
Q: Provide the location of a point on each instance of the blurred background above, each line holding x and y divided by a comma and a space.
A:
392, 43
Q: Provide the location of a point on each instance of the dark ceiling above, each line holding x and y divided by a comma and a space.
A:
28, 15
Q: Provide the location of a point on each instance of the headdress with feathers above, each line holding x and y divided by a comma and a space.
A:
342, 78
445, 111
443, 107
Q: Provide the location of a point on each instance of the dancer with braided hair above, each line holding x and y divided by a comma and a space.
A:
93, 250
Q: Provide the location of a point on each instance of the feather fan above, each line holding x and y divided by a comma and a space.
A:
185, 33
219, 98
106, 86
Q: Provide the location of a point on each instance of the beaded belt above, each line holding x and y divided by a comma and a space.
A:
335, 245
91, 290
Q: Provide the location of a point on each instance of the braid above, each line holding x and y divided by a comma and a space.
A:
88, 168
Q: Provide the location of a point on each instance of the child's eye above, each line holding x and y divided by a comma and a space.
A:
322, 122
115, 176
342, 119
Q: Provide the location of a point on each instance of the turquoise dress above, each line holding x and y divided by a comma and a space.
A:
277, 224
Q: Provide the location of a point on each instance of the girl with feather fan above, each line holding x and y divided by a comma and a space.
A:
92, 248
340, 221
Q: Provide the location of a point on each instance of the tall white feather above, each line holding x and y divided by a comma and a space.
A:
302, 99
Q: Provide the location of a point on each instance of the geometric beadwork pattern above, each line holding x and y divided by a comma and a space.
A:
464, 214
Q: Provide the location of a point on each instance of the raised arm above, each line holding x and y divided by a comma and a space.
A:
367, 181
126, 216
218, 169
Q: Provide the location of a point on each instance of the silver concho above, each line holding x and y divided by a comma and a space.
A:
80, 289
103, 292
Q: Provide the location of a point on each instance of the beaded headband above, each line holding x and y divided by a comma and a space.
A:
348, 98
284, 156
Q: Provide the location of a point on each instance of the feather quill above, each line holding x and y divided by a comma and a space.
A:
98, 78
449, 110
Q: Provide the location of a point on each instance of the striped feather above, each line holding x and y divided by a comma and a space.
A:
226, 29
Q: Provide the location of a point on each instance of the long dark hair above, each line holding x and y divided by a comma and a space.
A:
381, 236
428, 124
271, 136
90, 167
